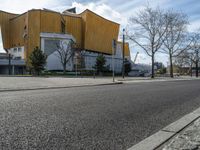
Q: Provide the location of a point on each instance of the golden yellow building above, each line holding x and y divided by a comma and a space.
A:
91, 31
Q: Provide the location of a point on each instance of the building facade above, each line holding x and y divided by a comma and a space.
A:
93, 35
11, 66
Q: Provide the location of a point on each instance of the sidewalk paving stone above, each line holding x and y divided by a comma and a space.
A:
188, 139
20, 83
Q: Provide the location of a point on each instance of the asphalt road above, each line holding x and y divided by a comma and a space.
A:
92, 118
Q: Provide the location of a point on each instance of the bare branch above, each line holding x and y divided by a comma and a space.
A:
148, 29
65, 52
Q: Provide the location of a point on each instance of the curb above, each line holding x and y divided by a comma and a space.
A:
59, 87
155, 80
159, 138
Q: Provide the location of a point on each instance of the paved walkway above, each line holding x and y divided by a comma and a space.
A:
20, 83
188, 139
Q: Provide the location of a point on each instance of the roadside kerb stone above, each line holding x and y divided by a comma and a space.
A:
188, 139
181, 123
153, 141
165, 134
197, 111
156, 80
59, 87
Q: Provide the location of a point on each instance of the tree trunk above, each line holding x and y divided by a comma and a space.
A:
152, 67
197, 69
64, 68
171, 66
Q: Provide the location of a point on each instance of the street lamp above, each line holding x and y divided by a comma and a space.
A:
9, 62
76, 57
114, 45
123, 69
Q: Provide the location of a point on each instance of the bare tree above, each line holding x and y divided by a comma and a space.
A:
184, 60
192, 55
147, 30
65, 52
194, 51
175, 40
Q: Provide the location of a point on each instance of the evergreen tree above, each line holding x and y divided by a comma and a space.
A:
100, 63
37, 60
127, 66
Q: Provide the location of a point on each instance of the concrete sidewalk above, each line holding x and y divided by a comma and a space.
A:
30, 83
188, 139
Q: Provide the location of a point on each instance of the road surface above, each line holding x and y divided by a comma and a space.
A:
112, 117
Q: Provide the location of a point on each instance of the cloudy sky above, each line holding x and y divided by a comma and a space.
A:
116, 10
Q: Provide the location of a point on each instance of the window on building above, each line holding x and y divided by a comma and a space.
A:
18, 58
50, 46
19, 49
15, 50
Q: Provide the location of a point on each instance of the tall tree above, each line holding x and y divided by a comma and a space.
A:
127, 66
37, 60
65, 52
100, 63
192, 55
184, 60
194, 51
147, 30
175, 40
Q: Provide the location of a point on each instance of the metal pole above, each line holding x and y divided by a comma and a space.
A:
191, 68
123, 69
113, 65
9, 64
76, 66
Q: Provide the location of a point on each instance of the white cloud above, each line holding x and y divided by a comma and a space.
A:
20, 6
101, 9
141, 58
194, 26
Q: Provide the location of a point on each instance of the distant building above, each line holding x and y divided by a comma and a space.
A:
93, 35
158, 65
142, 70
16, 66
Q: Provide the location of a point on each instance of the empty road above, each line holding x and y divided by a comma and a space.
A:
112, 117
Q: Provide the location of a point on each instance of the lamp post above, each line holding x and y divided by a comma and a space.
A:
114, 44
9, 62
123, 69
76, 57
